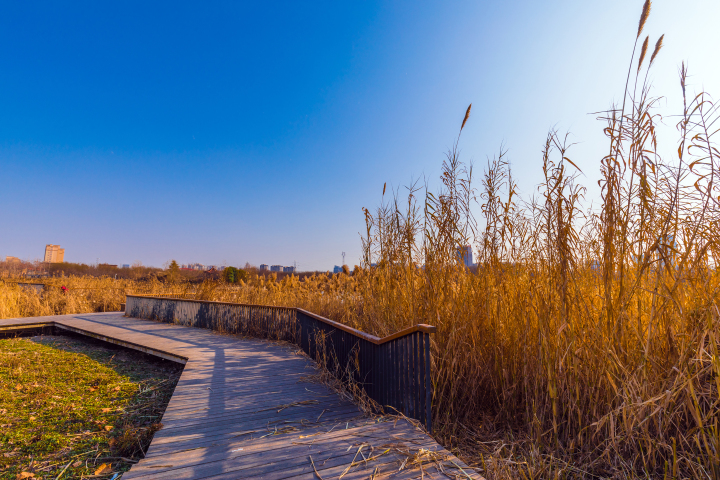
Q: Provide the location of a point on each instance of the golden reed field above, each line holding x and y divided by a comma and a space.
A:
586, 342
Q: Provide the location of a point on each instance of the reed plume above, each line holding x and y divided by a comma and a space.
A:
658, 46
644, 16
643, 51
467, 115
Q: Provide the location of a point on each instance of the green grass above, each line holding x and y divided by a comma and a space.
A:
70, 402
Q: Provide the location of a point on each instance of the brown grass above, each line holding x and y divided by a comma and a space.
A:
84, 294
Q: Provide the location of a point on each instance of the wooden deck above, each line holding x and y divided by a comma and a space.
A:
247, 408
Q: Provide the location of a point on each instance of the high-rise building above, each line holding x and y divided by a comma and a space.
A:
288, 269
465, 255
54, 254
10, 259
276, 268
263, 267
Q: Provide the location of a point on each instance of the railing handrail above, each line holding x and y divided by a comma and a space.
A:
161, 295
394, 371
421, 327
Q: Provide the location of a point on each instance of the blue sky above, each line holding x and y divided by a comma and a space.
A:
233, 132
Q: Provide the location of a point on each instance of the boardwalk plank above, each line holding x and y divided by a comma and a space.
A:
225, 419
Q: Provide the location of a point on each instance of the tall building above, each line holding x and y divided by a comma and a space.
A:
465, 255
289, 269
10, 259
263, 267
276, 268
54, 254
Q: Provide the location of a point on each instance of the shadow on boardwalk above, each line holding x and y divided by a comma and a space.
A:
247, 408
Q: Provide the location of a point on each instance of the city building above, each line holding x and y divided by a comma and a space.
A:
195, 266
54, 254
10, 259
337, 269
276, 268
263, 267
288, 269
465, 255
126, 265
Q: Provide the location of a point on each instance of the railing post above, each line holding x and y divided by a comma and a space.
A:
428, 383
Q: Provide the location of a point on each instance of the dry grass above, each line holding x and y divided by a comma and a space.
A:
69, 408
84, 294
587, 341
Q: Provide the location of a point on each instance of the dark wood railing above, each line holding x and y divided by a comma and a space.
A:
394, 371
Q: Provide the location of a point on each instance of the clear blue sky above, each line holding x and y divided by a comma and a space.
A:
241, 132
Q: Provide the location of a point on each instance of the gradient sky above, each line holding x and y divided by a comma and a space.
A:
233, 132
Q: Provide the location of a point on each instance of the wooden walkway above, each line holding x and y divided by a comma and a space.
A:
247, 408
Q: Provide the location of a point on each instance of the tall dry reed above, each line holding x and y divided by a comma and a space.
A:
586, 340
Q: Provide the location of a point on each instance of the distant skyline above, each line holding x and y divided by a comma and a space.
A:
234, 132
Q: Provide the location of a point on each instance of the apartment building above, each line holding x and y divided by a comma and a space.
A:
54, 254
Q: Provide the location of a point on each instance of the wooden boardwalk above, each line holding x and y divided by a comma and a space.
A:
247, 408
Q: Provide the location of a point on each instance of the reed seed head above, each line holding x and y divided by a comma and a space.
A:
467, 115
644, 16
658, 46
642, 53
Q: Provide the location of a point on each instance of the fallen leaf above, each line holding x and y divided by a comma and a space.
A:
106, 410
104, 469
32, 419
3, 410
19, 387
77, 464
92, 389
108, 427
117, 389
25, 475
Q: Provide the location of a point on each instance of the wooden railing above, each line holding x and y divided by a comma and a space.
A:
394, 371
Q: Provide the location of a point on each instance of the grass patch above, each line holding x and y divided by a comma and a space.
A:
84, 405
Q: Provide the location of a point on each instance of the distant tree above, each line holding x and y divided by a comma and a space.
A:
173, 271
242, 274
230, 274
234, 275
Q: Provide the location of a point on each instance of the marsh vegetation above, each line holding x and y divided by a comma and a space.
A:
586, 341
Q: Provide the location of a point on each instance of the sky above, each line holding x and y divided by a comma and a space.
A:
234, 132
